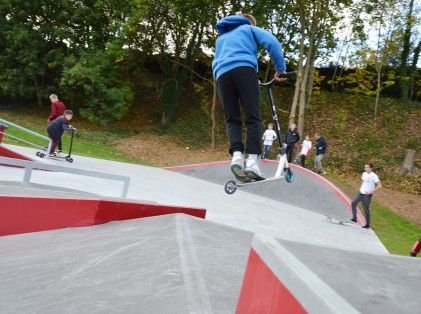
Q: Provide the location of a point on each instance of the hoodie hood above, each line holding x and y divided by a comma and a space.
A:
231, 22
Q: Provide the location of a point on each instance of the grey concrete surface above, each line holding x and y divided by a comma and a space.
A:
166, 264
243, 210
34, 189
371, 283
305, 192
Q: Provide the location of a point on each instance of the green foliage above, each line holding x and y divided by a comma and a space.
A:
93, 81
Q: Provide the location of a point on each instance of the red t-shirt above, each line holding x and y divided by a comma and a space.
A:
57, 110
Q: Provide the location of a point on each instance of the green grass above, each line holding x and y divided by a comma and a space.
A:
397, 233
90, 143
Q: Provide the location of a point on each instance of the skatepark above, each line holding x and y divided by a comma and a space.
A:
83, 238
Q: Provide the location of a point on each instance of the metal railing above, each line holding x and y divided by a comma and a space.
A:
9, 124
31, 165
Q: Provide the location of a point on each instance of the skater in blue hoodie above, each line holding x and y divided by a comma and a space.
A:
235, 70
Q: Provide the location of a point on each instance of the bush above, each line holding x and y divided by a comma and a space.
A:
92, 81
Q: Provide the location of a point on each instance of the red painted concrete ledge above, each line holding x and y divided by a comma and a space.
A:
22, 214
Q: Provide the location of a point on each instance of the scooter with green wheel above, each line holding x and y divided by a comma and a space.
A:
283, 170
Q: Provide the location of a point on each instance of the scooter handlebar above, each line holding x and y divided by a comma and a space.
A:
272, 81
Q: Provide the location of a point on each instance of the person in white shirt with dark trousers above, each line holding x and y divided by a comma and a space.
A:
268, 137
371, 183
305, 149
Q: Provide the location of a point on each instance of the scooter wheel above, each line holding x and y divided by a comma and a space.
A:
289, 176
230, 187
37, 154
69, 159
41, 155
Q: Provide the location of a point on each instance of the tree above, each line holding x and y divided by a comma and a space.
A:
317, 22
93, 81
406, 49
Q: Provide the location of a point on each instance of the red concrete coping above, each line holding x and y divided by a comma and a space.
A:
275, 281
22, 214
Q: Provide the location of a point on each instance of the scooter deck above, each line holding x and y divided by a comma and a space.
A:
241, 184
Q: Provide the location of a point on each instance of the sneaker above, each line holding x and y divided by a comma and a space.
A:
366, 226
237, 167
323, 173
252, 170
60, 151
52, 155
353, 220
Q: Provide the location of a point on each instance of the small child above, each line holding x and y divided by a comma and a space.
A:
57, 127
305, 149
268, 137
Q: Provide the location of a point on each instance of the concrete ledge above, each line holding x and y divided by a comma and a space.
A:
22, 214
277, 282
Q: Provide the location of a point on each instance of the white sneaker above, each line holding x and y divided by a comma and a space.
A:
253, 171
237, 167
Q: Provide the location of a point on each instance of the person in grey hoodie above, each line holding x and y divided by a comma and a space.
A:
235, 71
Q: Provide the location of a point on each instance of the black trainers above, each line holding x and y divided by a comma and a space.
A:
353, 220
366, 226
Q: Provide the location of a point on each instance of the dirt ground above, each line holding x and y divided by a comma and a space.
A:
165, 150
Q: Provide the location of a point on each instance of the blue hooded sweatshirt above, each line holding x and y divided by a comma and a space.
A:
237, 43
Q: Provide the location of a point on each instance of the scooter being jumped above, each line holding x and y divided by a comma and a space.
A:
283, 170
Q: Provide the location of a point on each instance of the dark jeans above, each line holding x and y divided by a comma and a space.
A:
54, 145
289, 151
266, 150
241, 85
60, 146
365, 199
303, 160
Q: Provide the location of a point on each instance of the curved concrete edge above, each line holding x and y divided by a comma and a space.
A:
338, 192
23, 214
276, 281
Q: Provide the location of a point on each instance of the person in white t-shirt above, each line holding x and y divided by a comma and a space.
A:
268, 137
305, 150
371, 183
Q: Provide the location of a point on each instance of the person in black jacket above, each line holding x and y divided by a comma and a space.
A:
57, 127
292, 137
321, 147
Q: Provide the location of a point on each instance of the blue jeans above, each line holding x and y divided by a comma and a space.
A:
266, 150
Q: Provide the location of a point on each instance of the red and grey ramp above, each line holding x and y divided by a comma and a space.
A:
290, 277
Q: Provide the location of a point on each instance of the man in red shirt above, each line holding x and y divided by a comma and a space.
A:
57, 110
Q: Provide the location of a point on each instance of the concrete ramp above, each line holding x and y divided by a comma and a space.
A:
309, 190
166, 264
289, 277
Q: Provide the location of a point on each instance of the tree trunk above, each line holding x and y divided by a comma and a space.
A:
298, 82
311, 77
379, 82
404, 84
409, 162
38, 93
214, 115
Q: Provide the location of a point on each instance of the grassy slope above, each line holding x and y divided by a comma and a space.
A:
91, 141
397, 233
